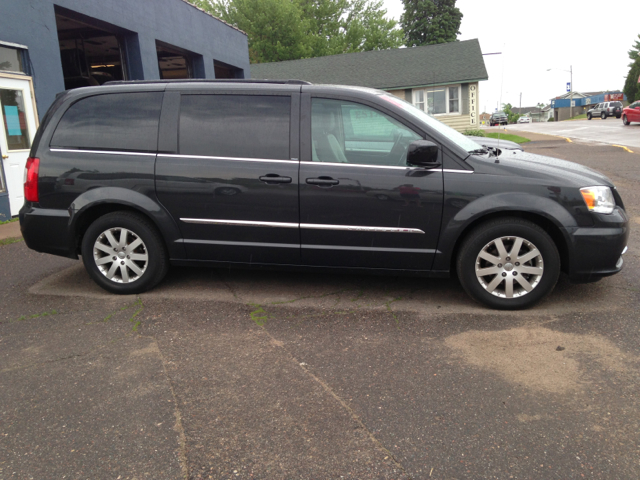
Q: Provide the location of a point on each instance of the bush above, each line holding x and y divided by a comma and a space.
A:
551, 119
474, 133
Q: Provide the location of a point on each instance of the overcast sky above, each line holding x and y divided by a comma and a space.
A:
534, 35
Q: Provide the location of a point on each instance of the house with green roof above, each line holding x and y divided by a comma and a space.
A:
442, 80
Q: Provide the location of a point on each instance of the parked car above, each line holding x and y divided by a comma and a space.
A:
325, 178
524, 120
605, 109
498, 118
631, 113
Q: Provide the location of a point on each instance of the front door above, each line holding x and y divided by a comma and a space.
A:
19, 124
361, 205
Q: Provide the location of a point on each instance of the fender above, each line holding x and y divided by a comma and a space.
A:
503, 203
148, 206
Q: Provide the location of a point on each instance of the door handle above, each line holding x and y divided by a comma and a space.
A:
274, 178
322, 181
4, 157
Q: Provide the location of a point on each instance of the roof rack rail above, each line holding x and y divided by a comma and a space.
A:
202, 80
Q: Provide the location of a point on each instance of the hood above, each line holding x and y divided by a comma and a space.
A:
552, 170
495, 143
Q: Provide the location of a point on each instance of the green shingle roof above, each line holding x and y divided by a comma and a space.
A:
455, 62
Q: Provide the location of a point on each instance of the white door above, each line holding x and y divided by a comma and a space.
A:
19, 124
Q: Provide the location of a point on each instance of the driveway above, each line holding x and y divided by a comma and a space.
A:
609, 131
270, 375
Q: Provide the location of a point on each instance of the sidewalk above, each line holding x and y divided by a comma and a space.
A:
10, 230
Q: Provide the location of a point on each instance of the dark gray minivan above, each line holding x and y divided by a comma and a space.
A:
137, 176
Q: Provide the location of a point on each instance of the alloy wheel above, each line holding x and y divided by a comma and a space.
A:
509, 267
120, 255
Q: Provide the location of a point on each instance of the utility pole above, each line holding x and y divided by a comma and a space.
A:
520, 101
571, 99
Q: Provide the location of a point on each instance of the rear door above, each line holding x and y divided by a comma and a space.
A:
634, 112
228, 173
361, 205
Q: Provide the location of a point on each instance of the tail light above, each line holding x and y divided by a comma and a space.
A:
31, 179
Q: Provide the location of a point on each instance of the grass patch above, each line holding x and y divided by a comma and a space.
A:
507, 136
9, 241
577, 117
473, 132
35, 315
9, 221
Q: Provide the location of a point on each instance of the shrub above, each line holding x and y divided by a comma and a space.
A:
551, 119
474, 133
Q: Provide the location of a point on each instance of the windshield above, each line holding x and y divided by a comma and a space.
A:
459, 139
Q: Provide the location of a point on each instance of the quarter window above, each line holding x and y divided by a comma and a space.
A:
118, 121
241, 126
346, 132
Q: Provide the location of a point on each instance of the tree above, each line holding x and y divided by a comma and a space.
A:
428, 22
631, 86
292, 29
511, 116
273, 26
634, 53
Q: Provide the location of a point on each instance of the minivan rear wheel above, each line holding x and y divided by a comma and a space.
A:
124, 253
508, 264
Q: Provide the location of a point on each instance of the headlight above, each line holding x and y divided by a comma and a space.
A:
598, 199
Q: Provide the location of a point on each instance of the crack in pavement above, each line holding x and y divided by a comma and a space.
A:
354, 416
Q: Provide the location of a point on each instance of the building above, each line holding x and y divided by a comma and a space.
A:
442, 80
483, 118
582, 102
47, 46
537, 114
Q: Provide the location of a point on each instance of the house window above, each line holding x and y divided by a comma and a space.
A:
439, 100
11, 60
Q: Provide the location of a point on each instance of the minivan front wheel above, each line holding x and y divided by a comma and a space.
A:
124, 253
508, 264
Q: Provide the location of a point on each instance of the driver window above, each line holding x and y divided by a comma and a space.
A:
347, 132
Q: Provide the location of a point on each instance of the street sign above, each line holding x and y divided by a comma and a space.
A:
568, 86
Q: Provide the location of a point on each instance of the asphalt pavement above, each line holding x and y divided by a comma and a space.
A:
275, 375
610, 131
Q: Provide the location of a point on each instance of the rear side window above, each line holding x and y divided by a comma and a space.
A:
117, 121
241, 126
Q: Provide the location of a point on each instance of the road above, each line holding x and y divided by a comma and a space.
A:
610, 131
232, 374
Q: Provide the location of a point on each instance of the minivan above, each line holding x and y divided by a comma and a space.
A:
137, 176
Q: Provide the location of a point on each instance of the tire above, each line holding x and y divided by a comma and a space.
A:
588, 116
625, 120
139, 274
507, 233
618, 116
603, 116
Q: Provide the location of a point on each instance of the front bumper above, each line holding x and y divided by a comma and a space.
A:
597, 251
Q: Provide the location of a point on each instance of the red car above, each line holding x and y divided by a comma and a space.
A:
631, 113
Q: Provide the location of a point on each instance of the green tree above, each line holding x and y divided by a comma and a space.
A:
273, 26
634, 53
631, 86
292, 29
427, 22
511, 116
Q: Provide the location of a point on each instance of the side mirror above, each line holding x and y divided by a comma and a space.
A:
423, 153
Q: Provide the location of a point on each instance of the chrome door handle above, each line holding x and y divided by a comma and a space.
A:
322, 181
